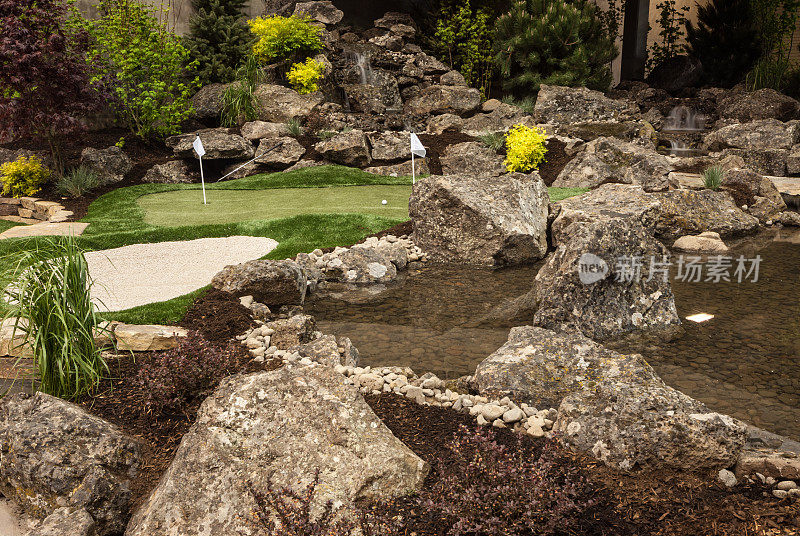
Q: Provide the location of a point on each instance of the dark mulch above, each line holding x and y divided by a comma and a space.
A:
660, 503
217, 316
437, 144
555, 161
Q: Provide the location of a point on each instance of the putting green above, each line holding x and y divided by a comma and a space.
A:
185, 207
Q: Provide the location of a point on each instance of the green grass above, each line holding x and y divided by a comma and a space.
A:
559, 194
123, 217
181, 208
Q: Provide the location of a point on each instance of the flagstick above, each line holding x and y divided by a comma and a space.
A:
203, 180
413, 171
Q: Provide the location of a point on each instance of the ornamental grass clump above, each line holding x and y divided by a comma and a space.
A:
525, 149
712, 177
23, 177
50, 297
239, 101
78, 182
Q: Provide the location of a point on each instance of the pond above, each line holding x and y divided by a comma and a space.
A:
744, 362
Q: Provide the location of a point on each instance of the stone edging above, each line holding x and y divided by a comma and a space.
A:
31, 210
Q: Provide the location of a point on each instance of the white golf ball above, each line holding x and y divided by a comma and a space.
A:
384, 202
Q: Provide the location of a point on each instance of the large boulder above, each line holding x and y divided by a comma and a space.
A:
273, 283
436, 99
207, 102
279, 152
592, 283
759, 135
631, 425
320, 11
66, 521
361, 265
278, 104
676, 73
380, 94
390, 145
481, 220
499, 120
472, 158
772, 162
172, 172
53, 454
685, 212
608, 202
565, 105
607, 160
111, 164
219, 143
257, 130
347, 148
540, 367
758, 193
276, 429
293, 331
762, 104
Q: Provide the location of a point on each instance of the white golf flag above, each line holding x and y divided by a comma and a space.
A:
198, 147
416, 147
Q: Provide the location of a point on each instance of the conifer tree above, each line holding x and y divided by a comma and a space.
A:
558, 42
218, 39
725, 40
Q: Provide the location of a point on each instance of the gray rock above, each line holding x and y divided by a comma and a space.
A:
631, 425
481, 220
565, 105
685, 212
708, 243
320, 11
789, 219
727, 478
390, 145
66, 522
613, 304
292, 331
287, 152
207, 102
219, 143
256, 130
608, 202
273, 283
499, 120
173, 172
439, 124
54, 454
326, 351
366, 266
540, 367
472, 158
606, 160
771, 162
346, 148
453, 78
762, 104
111, 164
276, 428
445, 100
759, 135
379, 95
430, 65
278, 104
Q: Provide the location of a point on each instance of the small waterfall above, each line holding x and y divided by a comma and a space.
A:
364, 66
685, 119
679, 148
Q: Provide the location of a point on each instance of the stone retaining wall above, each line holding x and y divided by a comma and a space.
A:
32, 210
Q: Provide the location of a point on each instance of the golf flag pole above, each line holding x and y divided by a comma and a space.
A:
200, 150
417, 149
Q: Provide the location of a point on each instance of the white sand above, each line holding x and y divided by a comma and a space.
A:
10, 522
147, 273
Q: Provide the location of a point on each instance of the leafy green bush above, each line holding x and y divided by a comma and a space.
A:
144, 65
51, 299
525, 149
284, 39
239, 102
463, 40
556, 42
78, 182
219, 39
493, 140
23, 177
776, 21
712, 177
305, 76
725, 40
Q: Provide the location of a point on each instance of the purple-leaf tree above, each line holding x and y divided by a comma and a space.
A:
45, 88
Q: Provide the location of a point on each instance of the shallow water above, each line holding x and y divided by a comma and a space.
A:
745, 362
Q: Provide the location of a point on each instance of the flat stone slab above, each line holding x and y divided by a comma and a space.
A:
147, 338
689, 181
787, 185
45, 229
139, 274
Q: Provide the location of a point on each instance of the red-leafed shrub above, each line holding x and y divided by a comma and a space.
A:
171, 380
45, 80
490, 489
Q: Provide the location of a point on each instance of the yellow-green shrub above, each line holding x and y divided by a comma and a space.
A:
305, 76
525, 149
284, 38
23, 177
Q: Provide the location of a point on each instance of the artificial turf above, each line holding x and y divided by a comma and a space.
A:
5, 225
120, 218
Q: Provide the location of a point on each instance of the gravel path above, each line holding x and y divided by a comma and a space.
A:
147, 273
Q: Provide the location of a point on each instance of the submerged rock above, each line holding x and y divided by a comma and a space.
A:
481, 220
276, 428
273, 283
54, 454
708, 243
